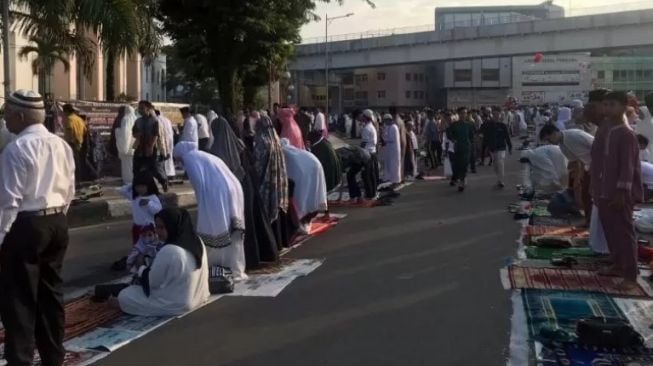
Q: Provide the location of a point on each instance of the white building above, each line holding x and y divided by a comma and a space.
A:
153, 80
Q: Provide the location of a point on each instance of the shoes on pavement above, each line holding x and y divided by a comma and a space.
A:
120, 264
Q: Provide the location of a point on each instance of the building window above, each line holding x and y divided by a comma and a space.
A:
490, 74
648, 75
348, 94
147, 74
380, 76
408, 76
380, 94
361, 78
415, 77
361, 95
601, 75
639, 75
408, 92
462, 75
147, 96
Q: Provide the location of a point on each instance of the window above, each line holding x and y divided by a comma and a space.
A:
380, 76
361, 78
601, 75
490, 74
348, 94
623, 75
380, 94
147, 74
631, 75
639, 74
408, 93
462, 75
147, 96
415, 77
408, 76
361, 95
648, 75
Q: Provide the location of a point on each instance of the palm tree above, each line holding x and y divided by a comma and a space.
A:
48, 52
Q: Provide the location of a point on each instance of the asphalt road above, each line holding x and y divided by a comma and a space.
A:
415, 283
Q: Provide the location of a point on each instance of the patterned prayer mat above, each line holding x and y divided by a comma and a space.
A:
564, 309
579, 355
83, 315
567, 280
571, 231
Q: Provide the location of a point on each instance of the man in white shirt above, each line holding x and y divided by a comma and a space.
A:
577, 147
190, 132
320, 121
5, 135
37, 184
203, 134
369, 142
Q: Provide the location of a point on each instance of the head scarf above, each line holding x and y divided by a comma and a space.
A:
227, 146
124, 137
290, 129
564, 116
179, 226
184, 147
310, 194
270, 166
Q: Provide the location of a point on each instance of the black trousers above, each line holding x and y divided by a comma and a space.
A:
31, 296
151, 164
472, 159
366, 173
374, 173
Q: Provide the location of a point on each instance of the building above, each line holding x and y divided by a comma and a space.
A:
624, 73
75, 83
153, 76
554, 79
472, 16
477, 82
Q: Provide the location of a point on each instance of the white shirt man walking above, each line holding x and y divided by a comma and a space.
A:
190, 132
37, 173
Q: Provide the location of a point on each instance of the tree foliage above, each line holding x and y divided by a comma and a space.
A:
236, 41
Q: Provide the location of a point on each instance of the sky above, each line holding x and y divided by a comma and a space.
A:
415, 13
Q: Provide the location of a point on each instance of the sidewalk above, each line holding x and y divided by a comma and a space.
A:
111, 206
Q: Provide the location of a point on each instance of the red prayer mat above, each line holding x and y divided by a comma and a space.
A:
569, 280
319, 225
572, 231
353, 204
83, 315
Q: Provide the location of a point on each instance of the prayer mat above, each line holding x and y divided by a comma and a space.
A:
579, 355
533, 252
354, 204
319, 225
564, 309
434, 178
568, 280
554, 221
557, 231
83, 315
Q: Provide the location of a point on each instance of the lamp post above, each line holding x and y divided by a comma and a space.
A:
326, 56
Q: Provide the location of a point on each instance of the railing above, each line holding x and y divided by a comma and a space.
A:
622, 7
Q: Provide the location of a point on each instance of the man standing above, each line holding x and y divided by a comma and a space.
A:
203, 132
498, 142
147, 153
617, 187
432, 139
190, 131
461, 133
74, 132
170, 140
369, 141
464, 116
37, 175
320, 123
399, 122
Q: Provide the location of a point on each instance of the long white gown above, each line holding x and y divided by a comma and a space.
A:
176, 285
170, 135
548, 168
221, 207
125, 143
306, 171
391, 154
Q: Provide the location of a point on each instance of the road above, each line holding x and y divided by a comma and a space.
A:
415, 283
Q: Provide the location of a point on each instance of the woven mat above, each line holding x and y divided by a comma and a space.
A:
571, 231
533, 252
83, 315
568, 280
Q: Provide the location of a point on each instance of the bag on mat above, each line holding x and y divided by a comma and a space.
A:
221, 280
607, 332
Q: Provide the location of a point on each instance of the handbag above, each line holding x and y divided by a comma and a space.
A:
607, 332
221, 280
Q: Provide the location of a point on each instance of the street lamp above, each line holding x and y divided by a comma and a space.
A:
326, 56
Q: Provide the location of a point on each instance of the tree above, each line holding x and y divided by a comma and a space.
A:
232, 39
48, 53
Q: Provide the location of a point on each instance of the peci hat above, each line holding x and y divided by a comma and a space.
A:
26, 99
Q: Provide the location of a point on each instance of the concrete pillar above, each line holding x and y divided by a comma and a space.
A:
133, 71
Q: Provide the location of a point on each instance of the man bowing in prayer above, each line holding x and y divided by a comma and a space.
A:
37, 184
221, 208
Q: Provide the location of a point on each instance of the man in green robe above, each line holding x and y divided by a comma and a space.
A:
462, 135
326, 154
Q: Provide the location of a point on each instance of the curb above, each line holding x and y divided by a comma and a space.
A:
97, 212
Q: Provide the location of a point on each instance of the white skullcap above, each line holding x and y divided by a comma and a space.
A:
576, 103
26, 99
369, 114
388, 116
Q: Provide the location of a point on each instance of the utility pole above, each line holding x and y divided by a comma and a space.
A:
5, 47
327, 20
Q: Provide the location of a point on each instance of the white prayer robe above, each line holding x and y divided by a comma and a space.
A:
190, 132
392, 154
221, 207
170, 135
577, 146
125, 143
548, 168
177, 286
306, 171
647, 174
645, 128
